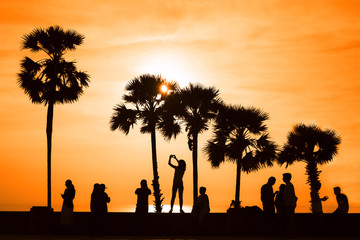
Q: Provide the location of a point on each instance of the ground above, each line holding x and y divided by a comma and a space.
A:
80, 237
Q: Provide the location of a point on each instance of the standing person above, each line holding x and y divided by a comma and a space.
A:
289, 203
94, 202
280, 200
342, 201
267, 197
142, 205
94, 208
178, 182
99, 209
280, 206
68, 205
202, 206
104, 199
316, 206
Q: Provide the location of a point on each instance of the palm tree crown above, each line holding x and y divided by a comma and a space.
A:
147, 100
310, 144
198, 105
53, 79
240, 136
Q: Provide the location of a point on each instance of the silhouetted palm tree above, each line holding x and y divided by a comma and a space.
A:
310, 144
51, 80
147, 99
240, 136
195, 106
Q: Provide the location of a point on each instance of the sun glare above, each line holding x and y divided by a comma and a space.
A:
164, 88
171, 66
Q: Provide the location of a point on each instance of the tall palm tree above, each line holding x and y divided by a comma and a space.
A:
310, 144
240, 137
51, 80
195, 106
147, 100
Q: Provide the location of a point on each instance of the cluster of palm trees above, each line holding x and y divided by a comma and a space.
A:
239, 133
162, 105
239, 136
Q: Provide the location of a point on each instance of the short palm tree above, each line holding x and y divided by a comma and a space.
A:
240, 137
310, 144
196, 106
147, 100
51, 80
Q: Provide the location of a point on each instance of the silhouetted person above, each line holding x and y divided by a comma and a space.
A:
342, 201
94, 207
316, 209
280, 208
290, 204
316, 206
68, 205
142, 205
178, 182
280, 199
340, 213
267, 197
98, 205
95, 198
202, 206
104, 200
280, 205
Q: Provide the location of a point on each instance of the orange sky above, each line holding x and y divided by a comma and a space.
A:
298, 61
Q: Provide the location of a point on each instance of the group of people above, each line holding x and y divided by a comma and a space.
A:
100, 199
201, 207
98, 204
284, 200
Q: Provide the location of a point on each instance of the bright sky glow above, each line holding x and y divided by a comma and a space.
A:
171, 65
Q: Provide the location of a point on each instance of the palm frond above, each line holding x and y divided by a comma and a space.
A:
215, 152
123, 118
168, 126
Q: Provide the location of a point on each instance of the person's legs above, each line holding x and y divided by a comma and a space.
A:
173, 198
291, 221
181, 190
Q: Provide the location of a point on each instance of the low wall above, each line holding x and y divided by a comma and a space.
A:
216, 224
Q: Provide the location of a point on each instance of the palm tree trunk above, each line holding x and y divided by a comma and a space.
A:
237, 190
195, 167
155, 183
313, 178
49, 127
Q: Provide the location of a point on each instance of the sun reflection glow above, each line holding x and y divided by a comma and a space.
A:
166, 209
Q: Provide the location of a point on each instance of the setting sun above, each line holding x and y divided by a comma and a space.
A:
164, 88
171, 65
